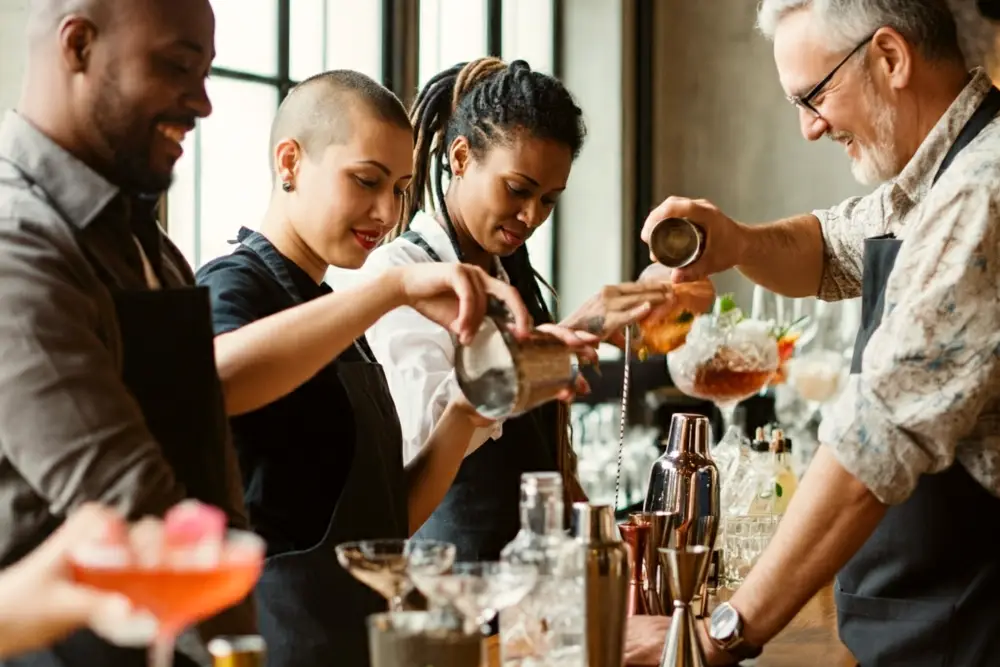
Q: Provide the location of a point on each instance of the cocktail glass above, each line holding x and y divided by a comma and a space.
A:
385, 565
176, 590
478, 591
726, 359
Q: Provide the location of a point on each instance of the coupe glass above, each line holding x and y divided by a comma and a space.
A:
478, 591
726, 359
385, 565
179, 589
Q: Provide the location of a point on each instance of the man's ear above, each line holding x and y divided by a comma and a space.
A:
76, 40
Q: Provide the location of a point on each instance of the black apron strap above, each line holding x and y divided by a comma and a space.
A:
984, 113
258, 243
417, 239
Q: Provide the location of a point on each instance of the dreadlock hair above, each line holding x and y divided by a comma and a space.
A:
489, 103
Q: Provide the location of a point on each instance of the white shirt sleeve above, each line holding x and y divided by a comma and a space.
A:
417, 356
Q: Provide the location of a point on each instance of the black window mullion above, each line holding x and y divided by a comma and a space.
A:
557, 71
643, 87
284, 48
494, 28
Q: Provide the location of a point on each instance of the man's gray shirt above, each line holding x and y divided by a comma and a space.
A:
70, 430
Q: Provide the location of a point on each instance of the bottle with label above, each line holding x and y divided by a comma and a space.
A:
238, 651
548, 626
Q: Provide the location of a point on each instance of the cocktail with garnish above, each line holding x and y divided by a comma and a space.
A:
385, 565
726, 358
182, 570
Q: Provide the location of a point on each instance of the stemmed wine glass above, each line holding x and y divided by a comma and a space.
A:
478, 591
385, 565
178, 587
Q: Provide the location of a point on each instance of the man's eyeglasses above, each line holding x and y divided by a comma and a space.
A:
805, 101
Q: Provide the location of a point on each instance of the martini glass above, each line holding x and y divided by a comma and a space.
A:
478, 591
177, 590
385, 565
726, 359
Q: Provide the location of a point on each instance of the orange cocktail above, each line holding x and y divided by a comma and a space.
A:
177, 598
181, 570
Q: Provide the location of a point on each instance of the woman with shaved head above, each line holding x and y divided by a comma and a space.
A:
322, 455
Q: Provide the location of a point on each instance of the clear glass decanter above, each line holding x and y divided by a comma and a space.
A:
548, 626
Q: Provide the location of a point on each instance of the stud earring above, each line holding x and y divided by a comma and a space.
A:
286, 186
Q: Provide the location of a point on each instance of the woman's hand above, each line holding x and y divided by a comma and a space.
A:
40, 603
607, 313
456, 296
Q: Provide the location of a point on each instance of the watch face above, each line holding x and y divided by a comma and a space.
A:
724, 623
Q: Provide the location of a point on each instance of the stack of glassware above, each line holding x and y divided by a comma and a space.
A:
548, 626
758, 483
595, 441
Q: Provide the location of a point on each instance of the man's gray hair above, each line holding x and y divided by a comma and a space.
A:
928, 25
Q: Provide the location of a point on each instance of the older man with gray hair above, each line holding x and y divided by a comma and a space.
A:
902, 501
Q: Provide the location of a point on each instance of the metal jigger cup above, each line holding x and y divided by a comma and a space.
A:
686, 569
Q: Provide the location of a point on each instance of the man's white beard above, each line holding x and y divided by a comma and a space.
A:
878, 162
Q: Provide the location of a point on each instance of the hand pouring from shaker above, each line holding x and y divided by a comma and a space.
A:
504, 376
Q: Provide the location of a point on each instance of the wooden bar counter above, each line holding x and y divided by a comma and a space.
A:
810, 639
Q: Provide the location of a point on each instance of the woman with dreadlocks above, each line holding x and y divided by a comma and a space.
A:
494, 147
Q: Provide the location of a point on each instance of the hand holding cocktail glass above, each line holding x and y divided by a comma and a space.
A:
181, 570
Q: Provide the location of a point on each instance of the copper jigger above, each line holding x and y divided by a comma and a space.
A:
636, 536
662, 534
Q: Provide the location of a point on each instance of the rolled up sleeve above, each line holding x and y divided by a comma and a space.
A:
68, 424
844, 228
934, 362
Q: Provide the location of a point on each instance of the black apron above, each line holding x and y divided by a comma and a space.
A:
924, 589
311, 611
168, 358
480, 513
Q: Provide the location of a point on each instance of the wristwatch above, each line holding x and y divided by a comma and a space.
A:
725, 629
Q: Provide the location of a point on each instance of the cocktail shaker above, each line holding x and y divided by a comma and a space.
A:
607, 575
503, 376
685, 481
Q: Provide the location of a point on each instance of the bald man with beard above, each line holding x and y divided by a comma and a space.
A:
108, 385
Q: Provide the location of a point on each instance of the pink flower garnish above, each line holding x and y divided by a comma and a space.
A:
190, 522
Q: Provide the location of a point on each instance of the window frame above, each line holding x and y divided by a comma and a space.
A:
400, 35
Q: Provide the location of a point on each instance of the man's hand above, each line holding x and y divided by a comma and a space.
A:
646, 635
456, 295
40, 603
644, 638
724, 237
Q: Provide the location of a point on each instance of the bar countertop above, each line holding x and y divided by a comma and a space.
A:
810, 639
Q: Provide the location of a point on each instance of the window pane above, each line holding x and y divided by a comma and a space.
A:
451, 31
229, 156
529, 33
246, 35
336, 34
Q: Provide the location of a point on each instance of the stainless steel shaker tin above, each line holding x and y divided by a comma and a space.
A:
677, 242
502, 376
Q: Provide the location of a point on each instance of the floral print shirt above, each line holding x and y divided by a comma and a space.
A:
928, 393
